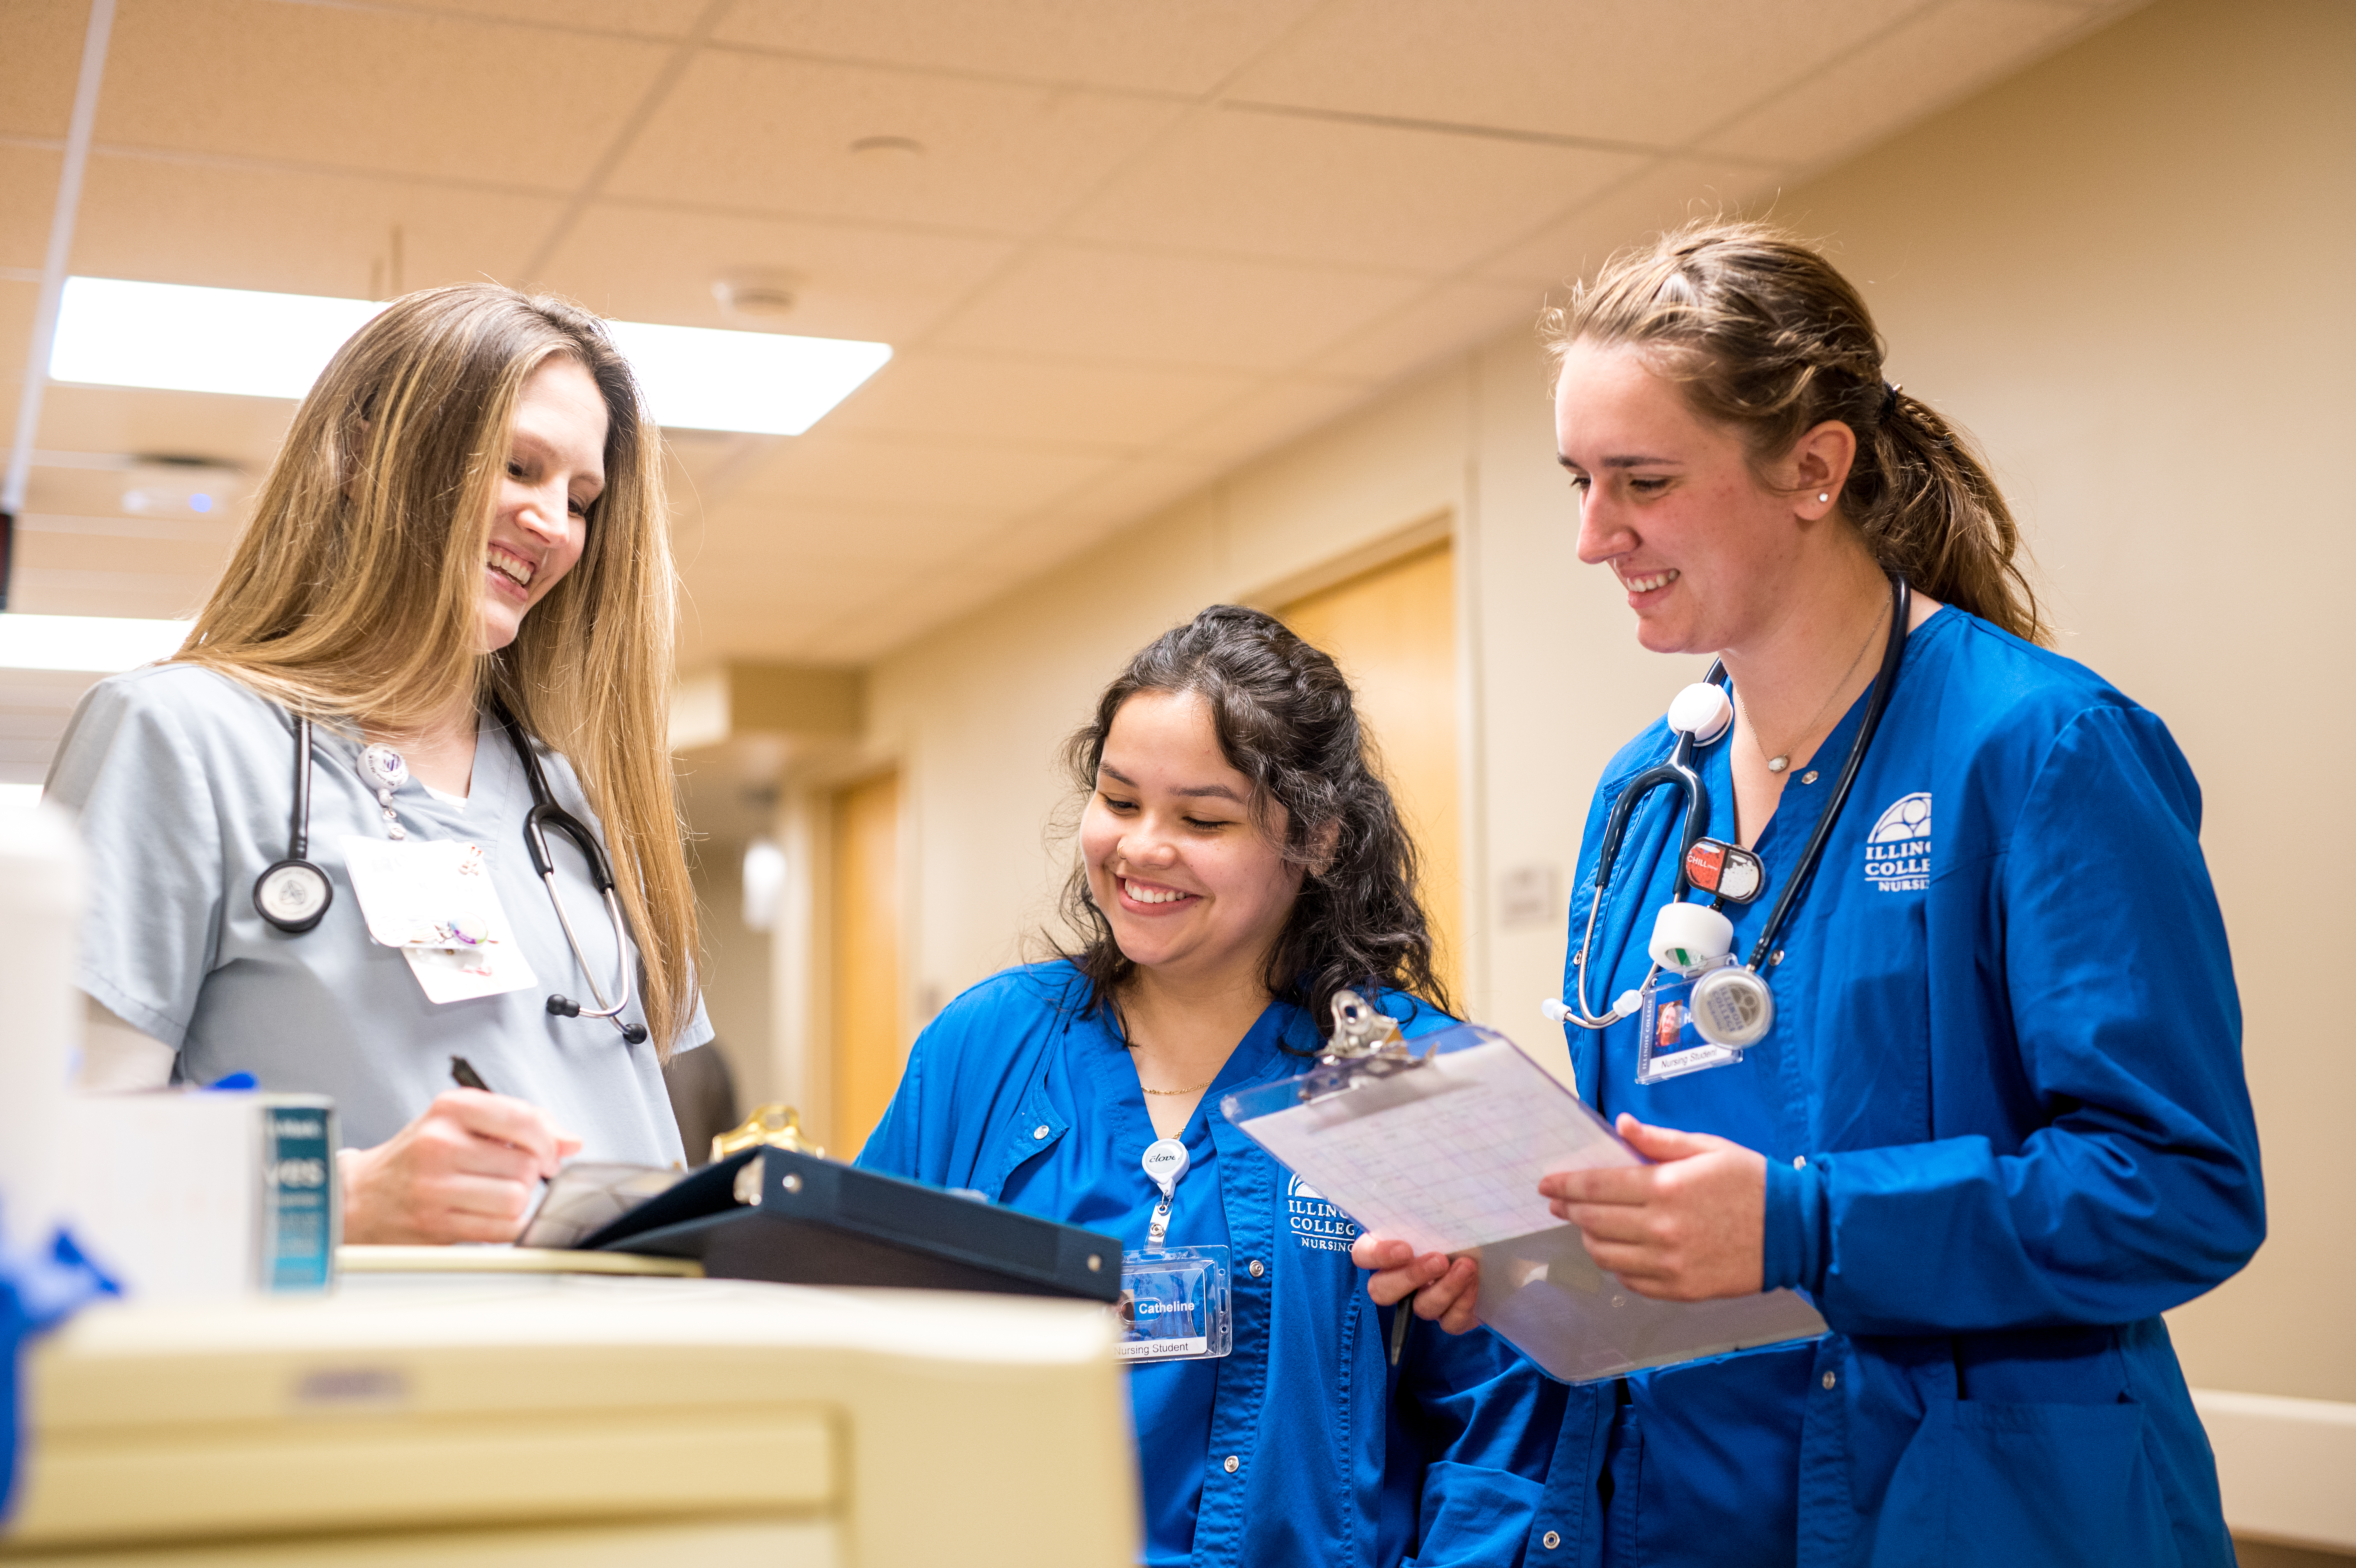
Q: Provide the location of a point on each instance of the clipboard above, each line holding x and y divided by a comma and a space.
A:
1441, 1142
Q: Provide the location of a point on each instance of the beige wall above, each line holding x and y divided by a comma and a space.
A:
2126, 270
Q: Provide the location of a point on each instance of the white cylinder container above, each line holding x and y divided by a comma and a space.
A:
1686, 936
41, 894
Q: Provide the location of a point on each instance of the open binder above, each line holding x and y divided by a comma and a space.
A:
1442, 1143
768, 1213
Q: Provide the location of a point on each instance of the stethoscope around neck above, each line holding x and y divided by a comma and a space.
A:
1733, 1003
293, 894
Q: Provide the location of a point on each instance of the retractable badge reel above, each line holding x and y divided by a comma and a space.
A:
1173, 1300
1702, 1009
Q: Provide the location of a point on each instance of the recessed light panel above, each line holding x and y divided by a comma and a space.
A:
111, 332
99, 644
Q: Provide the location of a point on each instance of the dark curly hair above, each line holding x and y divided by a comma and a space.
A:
1285, 719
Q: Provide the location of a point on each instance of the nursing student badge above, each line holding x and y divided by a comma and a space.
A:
1173, 1300
1174, 1306
434, 900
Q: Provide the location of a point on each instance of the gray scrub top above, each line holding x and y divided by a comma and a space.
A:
184, 778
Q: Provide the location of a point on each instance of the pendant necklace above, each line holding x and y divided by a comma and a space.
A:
1783, 759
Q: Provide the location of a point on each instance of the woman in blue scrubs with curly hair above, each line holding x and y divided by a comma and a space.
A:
1997, 1124
1241, 862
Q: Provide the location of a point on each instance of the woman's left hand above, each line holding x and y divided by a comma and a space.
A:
1692, 1227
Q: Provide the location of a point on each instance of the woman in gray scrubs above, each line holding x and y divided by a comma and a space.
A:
464, 533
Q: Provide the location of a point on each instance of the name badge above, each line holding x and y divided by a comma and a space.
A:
1668, 1044
1174, 1306
433, 899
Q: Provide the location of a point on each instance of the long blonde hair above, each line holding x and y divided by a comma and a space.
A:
1761, 333
356, 589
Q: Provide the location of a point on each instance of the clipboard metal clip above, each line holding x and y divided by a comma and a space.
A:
1365, 1045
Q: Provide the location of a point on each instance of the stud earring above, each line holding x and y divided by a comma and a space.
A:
1824, 495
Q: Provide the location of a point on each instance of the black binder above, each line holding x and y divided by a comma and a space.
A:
819, 1223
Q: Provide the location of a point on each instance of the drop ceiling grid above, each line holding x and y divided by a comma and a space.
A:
1138, 250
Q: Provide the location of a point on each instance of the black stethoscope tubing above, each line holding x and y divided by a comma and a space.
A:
545, 816
1678, 770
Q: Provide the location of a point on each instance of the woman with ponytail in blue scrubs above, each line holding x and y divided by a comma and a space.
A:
1240, 863
1998, 1123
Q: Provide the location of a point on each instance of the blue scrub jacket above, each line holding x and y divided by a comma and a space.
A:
2009, 1123
1345, 1460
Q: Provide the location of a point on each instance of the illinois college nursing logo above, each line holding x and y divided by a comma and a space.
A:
1898, 850
1315, 1222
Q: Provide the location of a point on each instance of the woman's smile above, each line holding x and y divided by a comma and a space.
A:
1154, 898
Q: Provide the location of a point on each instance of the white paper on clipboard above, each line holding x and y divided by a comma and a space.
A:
1447, 1155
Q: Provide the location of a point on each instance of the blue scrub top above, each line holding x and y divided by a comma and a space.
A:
1304, 1445
1095, 1178
2006, 1125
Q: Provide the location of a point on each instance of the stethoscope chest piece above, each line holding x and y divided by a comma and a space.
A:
292, 895
1733, 1006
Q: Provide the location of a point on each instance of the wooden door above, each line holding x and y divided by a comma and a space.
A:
868, 1050
1393, 631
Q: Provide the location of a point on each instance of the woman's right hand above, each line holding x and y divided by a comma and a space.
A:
1445, 1290
464, 1171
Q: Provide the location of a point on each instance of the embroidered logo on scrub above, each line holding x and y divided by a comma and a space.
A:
1315, 1222
1898, 850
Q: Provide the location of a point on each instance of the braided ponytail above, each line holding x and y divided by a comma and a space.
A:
1761, 333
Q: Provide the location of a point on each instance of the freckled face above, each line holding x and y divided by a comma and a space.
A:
556, 468
1669, 501
1193, 888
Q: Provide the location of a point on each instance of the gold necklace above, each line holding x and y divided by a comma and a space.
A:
1783, 759
1196, 1090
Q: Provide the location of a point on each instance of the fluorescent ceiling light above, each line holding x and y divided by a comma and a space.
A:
116, 333
104, 644
26, 795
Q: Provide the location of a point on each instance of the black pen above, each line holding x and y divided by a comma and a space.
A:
463, 1074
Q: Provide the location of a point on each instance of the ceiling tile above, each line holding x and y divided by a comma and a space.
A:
299, 232
1131, 493
1652, 71
418, 94
861, 630
848, 281
1450, 318
660, 18
776, 615
751, 132
97, 494
981, 479
245, 430
1669, 193
1901, 79
935, 393
760, 537
1141, 308
1173, 46
197, 562
44, 55
1317, 190
1274, 414
28, 198
41, 590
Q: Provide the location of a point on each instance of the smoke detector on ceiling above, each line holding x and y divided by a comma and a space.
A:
757, 295
181, 487
887, 149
